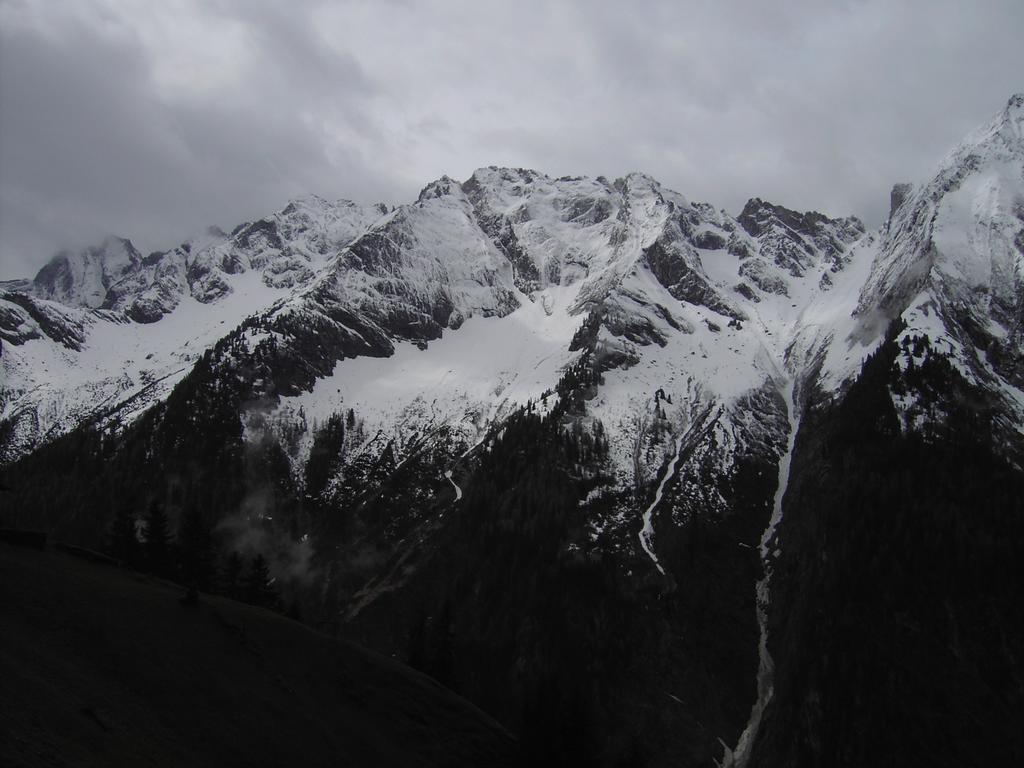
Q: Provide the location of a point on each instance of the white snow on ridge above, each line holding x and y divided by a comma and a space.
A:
467, 379
47, 389
578, 229
122, 360
827, 324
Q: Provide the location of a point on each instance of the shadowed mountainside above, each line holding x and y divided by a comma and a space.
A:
106, 667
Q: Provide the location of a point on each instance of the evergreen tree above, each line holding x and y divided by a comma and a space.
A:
325, 455
418, 643
259, 588
441, 652
158, 539
232, 580
124, 542
195, 550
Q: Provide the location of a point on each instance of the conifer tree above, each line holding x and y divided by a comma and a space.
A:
418, 643
441, 659
124, 543
195, 550
232, 580
259, 588
158, 539
325, 455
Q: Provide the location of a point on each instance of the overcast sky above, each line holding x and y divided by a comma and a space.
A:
154, 119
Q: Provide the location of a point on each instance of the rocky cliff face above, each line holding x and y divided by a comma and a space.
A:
950, 267
83, 279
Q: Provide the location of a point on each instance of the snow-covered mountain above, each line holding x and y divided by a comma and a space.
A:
677, 347
950, 265
83, 279
641, 264
105, 333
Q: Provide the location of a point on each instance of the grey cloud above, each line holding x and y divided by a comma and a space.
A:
153, 121
91, 143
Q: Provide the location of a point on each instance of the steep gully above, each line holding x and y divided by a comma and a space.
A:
740, 756
647, 532
683, 445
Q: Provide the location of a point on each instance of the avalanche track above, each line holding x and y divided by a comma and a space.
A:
647, 532
739, 757
683, 445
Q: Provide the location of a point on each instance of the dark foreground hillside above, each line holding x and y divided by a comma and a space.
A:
101, 666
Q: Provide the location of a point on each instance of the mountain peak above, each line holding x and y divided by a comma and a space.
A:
639, 177
308, 200
1001, 137
81, 278
1008, 123
758, 215
444, 186
1013, 115
496, 176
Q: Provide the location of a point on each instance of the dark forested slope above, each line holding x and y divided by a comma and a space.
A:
102, 666
897, 604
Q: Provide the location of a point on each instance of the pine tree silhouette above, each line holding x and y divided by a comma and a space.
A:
259, 589
158, 539
441, 652
195, 550
231, 583
124, 543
